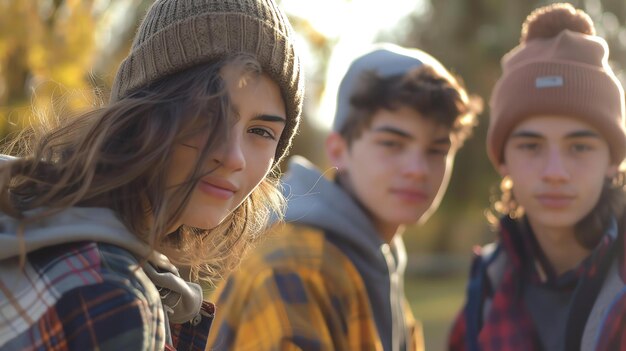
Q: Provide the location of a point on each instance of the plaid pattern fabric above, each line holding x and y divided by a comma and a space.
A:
508, 325
458, 333
80, 296
613, 335
193, 335
297, 292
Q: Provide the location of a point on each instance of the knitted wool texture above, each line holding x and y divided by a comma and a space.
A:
178, 34
565, 75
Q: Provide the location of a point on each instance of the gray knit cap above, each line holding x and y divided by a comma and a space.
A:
178, 34
385, 60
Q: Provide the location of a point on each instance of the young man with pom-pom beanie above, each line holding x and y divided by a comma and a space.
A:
555, 279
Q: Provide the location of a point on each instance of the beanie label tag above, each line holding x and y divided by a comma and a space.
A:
548, 82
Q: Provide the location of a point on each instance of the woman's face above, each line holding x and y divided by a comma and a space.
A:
234, 169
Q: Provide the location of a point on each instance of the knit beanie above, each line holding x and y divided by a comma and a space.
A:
560, 68
385, 60
178, 34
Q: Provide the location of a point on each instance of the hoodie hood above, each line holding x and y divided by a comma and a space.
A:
314, 200
72, 225
100, 225
317, 202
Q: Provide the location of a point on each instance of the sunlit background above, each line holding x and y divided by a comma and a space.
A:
351, 26
66, 52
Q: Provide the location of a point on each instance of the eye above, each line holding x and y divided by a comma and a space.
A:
581, 147
529, 146
438, 151
263, 132
390, 144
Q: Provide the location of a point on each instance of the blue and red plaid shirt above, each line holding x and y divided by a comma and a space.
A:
86, 296
507, 325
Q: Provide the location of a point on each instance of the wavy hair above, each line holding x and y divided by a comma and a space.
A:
116, 156
438, 96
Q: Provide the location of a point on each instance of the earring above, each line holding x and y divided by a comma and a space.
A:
506, 184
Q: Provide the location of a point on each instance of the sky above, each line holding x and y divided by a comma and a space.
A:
354, 24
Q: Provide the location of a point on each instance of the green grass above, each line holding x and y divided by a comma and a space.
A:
435, 301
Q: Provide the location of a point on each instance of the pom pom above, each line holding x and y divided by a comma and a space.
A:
549, 21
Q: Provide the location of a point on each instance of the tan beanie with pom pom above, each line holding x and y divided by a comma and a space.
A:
560, 68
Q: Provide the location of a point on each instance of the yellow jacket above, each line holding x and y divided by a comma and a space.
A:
298, 291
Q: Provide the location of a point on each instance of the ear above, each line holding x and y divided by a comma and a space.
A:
503, 170
336, 150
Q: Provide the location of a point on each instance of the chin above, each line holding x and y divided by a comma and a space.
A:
204, 217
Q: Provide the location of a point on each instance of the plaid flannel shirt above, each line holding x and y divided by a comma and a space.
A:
85, 296
515, 332
298, 292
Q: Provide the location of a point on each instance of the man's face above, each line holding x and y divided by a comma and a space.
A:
558, 166
398, 169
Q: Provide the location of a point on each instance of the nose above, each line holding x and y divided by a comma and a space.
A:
416, 166
555, 169
230, 154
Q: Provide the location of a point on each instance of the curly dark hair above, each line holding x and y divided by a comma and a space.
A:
435, 95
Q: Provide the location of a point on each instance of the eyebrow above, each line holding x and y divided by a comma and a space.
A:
262, 117
392, 130
387, 129
583, 134
572, 135
270, 118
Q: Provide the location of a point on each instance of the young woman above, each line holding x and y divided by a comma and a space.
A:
556, 279
97, 213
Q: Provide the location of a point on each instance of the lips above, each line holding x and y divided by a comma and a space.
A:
217, 187
555, 200
410, 195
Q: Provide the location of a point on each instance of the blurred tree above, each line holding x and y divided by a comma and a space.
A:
53, 53
310, 140
51, 47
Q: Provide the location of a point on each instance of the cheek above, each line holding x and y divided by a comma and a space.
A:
598, 190
520, 185
439, 172
522, 180
181, 165
595, 185
444, 181
259, 165
521, 171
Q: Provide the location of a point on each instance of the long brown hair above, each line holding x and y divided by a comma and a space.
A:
116, 157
